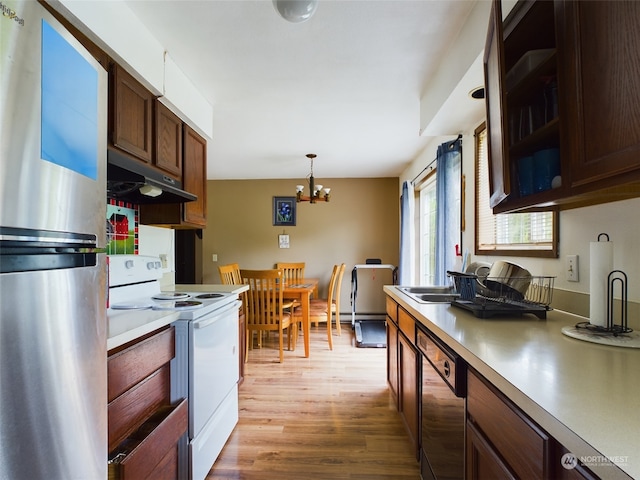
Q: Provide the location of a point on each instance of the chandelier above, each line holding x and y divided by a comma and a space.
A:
316, 191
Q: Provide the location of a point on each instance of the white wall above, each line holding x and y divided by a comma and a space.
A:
159, 242
115, 29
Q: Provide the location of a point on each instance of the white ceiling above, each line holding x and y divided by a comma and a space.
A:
345, 85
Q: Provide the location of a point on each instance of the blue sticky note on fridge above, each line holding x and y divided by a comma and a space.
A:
69, 122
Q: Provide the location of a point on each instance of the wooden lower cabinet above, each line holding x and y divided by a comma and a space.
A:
144, 426
501, 441
482, 461
392, 347
152, 450
392, 358
403, 369
503, 435
408, 390
578, 472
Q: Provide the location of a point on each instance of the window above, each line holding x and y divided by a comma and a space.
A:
440, 207
428, 231
515, 234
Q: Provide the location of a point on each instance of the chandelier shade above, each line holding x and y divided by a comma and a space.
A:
317, 192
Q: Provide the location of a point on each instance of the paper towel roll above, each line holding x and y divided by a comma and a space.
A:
601, 257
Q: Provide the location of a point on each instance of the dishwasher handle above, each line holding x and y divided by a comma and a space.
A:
449, 365
214, 316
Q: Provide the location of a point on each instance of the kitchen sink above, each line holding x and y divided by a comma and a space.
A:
430, 294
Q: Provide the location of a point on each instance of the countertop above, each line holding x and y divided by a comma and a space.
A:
127, 325
584, 394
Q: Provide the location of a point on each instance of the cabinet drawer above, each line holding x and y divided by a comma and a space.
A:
407, 324
392, 309
521, 443
127, 412
130, 366
151, 450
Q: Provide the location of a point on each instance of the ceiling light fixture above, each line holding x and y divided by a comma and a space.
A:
315, 190
477, 93
150, 190
296, 11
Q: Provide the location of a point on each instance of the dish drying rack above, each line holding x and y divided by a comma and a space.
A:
501, 299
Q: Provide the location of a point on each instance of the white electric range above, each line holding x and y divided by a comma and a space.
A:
205, 368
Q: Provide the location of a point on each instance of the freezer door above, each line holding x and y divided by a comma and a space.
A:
53, 380
53, 112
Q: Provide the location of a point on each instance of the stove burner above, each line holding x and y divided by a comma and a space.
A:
178, 305
210, 295
170, 296
131, 306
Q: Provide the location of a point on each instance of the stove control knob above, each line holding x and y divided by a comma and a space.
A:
151, 265
128, 264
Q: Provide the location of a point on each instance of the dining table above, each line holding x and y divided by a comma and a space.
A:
302, 290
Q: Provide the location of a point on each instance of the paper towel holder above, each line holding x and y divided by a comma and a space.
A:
614, 277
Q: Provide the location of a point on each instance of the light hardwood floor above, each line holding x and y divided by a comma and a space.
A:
329, 416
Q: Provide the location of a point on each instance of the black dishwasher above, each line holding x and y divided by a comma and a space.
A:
444, 387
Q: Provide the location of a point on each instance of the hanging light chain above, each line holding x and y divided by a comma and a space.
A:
314, 194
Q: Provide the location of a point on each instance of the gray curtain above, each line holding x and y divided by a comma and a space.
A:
406, 235
448, 199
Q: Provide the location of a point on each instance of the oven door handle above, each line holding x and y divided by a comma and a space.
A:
204, 323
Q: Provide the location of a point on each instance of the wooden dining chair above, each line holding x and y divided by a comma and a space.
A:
322, 309
230, 274
265, 308
292, 272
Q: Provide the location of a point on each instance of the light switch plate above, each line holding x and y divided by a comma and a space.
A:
573, 274
283, 241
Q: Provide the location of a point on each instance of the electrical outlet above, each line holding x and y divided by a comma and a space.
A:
572, 268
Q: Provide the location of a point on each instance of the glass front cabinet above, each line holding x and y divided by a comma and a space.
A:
563, 112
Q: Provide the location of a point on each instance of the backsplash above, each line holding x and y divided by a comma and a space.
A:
122, 228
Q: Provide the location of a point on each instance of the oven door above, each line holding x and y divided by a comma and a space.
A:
214, 364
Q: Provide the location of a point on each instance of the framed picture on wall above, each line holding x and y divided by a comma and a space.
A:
284, 211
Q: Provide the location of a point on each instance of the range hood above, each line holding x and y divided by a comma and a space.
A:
128, 178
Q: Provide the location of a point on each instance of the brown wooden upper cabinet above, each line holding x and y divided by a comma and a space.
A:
603, 39
168, 141
131, 115
562, 105
194, 175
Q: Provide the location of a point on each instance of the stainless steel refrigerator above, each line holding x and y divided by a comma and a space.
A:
53, 373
